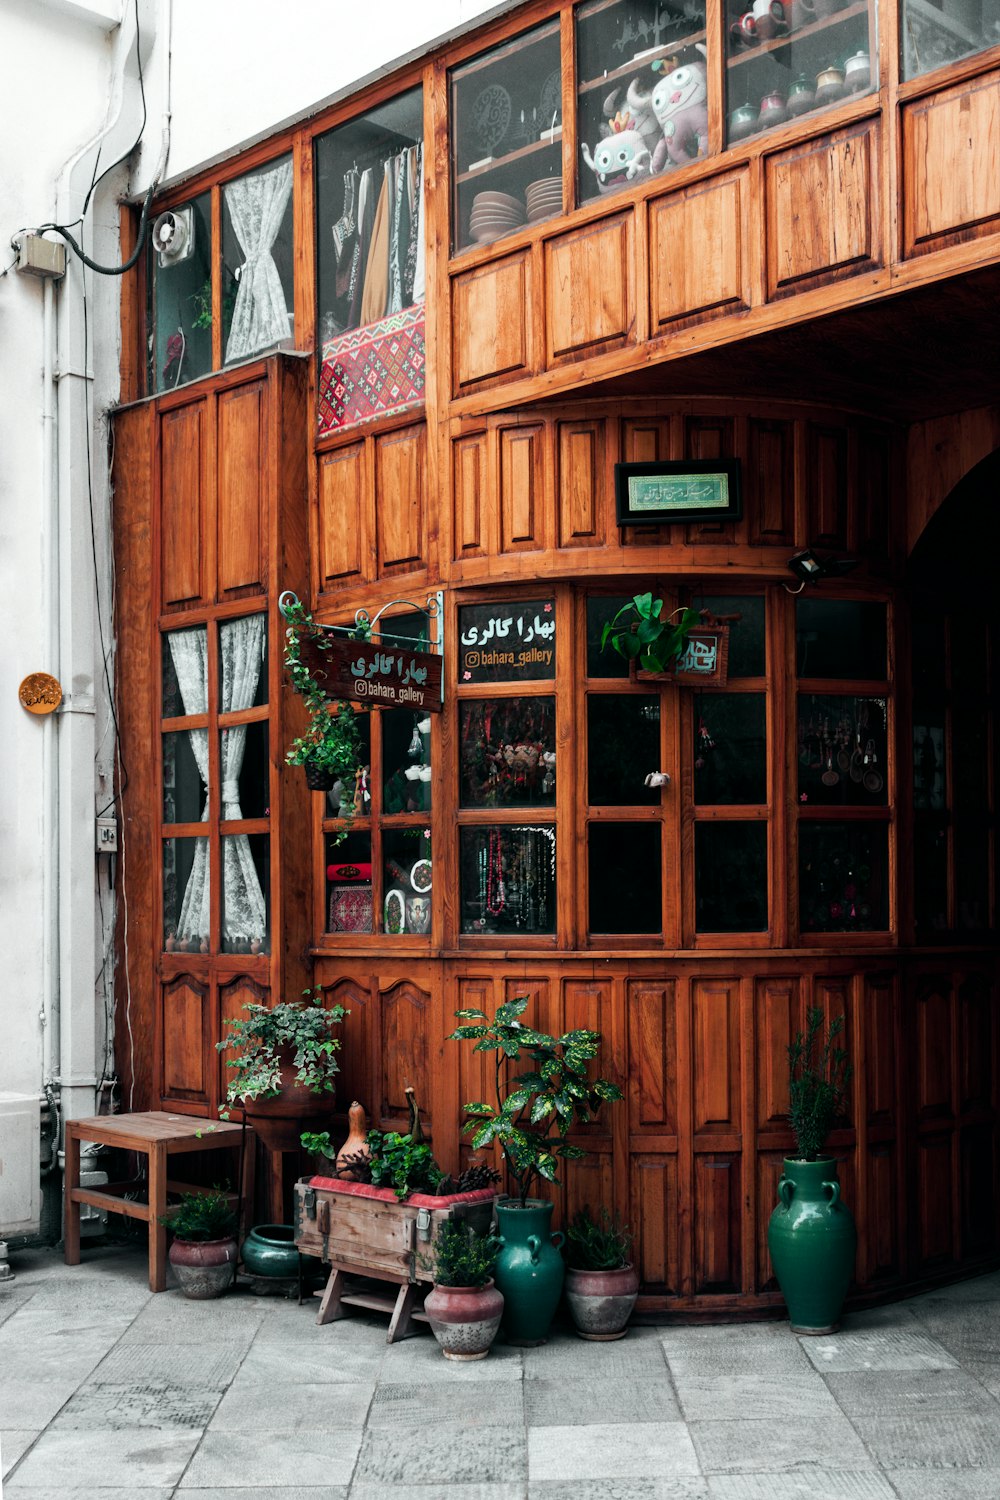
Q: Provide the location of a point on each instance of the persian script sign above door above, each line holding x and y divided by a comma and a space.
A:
380, 676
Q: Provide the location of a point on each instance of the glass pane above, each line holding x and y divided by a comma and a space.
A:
508, 879
843, 877
786, 60
730, 748
970, 757
360, 792
928, 764
181, 302
642, 100
840, 638
184, 656
730, 877
508, 752
246, 787
506, 138
623, 747
406, 761
746, 635
623, 878
600, 609
186, 911
972, 896
407, 881
967, 637
349, 884
185, 756
512, 641
928, 639
246, 893
935, 32
930, 877
370, 263
242, 663
842, 750
258, 304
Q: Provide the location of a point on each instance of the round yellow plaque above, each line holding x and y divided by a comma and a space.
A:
40, 693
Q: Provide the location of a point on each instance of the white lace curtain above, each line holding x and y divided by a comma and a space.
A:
256, 206
241, 648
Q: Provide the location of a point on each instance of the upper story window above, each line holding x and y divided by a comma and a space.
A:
257, 297
179, 310
370, 229
506, 138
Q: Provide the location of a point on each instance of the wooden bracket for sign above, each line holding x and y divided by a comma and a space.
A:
704, 663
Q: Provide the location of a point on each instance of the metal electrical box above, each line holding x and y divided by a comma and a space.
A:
37, 256
20, 1180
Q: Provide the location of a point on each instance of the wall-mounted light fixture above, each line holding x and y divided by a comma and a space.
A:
808, 568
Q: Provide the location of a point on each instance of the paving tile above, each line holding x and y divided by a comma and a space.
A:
302, 1364
438, 1456
811, 1484
60, 1359
957, 1484
551, 1402
829, 1442
32, 1403
270, 1460
619, 1489
30, 1492
508, 1490
14, 1444
126, 1408
742, 1339
988, 1375
419, 1359
487, 1403
86, 1323
13, 1296
751, 1395
82, 1461
877, 1349
268, 1492
956, 1440
202, 1365
975, 1289
284, 1321
171, 1318
289, 1408
967, 1330
604, 1451
581, 1359
924, 1393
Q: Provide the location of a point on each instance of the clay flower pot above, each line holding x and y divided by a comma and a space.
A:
204, 1268
464, 1319
602, 1301
279, 1121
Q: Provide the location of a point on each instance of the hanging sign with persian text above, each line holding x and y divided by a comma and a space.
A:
380, 676
512, 642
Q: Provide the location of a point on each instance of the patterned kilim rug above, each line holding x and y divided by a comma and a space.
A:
373, 371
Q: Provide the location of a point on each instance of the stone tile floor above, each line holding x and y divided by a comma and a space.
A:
108, 1391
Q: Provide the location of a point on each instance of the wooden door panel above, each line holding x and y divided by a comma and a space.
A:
933, 1040
400, 491
826, 464
874, 480
770, 481
651, 1011
935, 1180
490, 309
951, 181
183, 504
404, 1052
242, 489
710, 437
717, 1223
475, 511
653, 1218
185, 1033
977, 1152
975, 1045
476, 1070
880, 1045
770, 1168
342, 516
582, 483
821, 205
832, 996
522, 489
686, 284
715, 1015
358, 1041
590, 289
778, 1019
880, 1216
645, 440
232, 998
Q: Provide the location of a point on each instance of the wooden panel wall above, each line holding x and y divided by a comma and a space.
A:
951, 183
242, 490
822, 210
686, 284
371, 515
183, 505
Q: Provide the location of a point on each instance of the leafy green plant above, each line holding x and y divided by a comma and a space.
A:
399, 1162
818, 1074
461, 1256
305, 1028
532, 1120
331, 743
598, 1244
202, 1216
640, 632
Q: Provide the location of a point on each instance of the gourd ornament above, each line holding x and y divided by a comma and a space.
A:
357, 1141
680, 104
620, 159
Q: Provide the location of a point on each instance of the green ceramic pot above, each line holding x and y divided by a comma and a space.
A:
270, 1250
812, 1240
529, 1270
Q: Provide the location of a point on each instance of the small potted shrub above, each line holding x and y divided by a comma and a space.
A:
464, 1307
330, 748
204, 1250
601, 1282
285, 1066
645, 637
811, 1234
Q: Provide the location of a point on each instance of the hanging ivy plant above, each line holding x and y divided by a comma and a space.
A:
330, 748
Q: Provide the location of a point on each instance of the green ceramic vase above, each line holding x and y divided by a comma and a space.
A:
812, 1240
529, 1270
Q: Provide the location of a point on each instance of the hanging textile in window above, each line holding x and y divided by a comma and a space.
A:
244, 910
256, 206
189, 651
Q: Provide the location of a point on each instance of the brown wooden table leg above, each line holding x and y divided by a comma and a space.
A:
157, 1207
71, 1210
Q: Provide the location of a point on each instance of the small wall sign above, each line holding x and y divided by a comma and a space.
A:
380, 676
507, 642
40, 693
694, 490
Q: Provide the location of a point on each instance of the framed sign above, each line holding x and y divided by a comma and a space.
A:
507, 642
703, 663
379, 676
698, 489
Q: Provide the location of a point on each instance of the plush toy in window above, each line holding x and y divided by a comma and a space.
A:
680, 104
620, 159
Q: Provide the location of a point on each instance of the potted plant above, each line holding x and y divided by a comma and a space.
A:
643, 635
330, 748
464, 1307
811, 1234
530, 1122
204, 1251
285, 1065
601, 1282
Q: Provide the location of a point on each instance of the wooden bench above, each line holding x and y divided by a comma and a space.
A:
157, 1136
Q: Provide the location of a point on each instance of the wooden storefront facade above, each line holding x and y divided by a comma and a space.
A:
816, 302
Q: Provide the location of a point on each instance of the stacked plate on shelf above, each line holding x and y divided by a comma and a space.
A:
544, 199
494, 215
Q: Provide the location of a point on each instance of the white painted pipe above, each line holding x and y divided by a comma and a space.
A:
50, 735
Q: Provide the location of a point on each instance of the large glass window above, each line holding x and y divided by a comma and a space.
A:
180, 298
257, 298
936, 32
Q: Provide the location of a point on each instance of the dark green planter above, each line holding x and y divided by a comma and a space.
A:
812, 1240
529, 1270
270, 1250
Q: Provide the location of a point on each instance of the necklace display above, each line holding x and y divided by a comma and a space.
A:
516, 879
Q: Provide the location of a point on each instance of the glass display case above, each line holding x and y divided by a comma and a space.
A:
258, 303
789, 58
936, 32
506, 138
179, 300
642, 91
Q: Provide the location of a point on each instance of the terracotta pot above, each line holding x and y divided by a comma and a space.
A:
602, 1301
464, 1319
279, 1121
204, 1268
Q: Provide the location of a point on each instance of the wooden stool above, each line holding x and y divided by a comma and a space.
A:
156, 1135
405, 1306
